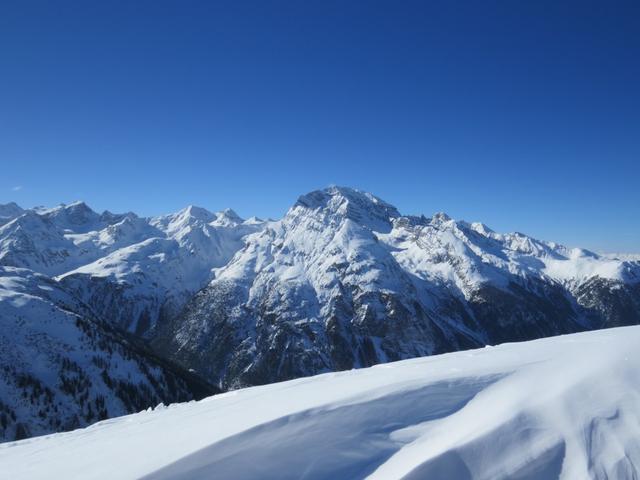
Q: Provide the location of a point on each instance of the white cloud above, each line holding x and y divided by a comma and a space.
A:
17, 188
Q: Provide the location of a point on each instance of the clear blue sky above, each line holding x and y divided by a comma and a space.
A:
522, 114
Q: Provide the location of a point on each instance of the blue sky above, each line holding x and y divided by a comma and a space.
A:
523, 115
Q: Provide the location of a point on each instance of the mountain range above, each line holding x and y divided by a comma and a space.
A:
104, 314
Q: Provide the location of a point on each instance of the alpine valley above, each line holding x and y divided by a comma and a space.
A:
104, 314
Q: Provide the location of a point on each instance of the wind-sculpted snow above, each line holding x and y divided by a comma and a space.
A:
563, 408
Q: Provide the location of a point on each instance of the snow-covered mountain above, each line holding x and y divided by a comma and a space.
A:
9, 211
343, 280
61, 368
564, 408
73, 283
128, 269
153, 276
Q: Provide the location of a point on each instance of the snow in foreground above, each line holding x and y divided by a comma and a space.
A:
565, 407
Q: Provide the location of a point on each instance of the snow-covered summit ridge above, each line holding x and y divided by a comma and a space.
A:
76, 217
61, 239
9, 211
440, 247
360, 207
74, 234
151, 258
515, 252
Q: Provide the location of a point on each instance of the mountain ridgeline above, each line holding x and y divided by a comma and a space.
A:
104, 314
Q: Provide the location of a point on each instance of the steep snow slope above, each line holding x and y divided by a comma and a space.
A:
344, 280
130, 270
135, 286
60, 368
566, 408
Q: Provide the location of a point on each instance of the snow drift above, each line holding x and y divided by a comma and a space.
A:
566, 407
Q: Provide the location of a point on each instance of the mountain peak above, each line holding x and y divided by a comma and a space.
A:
358, 206
78, 204
76, 216
80, 210
111, 218
482, 229
9, 211
440, 217
198, 213
229, 214
10, 206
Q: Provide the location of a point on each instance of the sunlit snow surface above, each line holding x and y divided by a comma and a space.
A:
565, 407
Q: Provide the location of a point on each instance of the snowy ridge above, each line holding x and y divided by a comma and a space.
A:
150, 262
9, 211
560, 408
71, 236
344, 280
